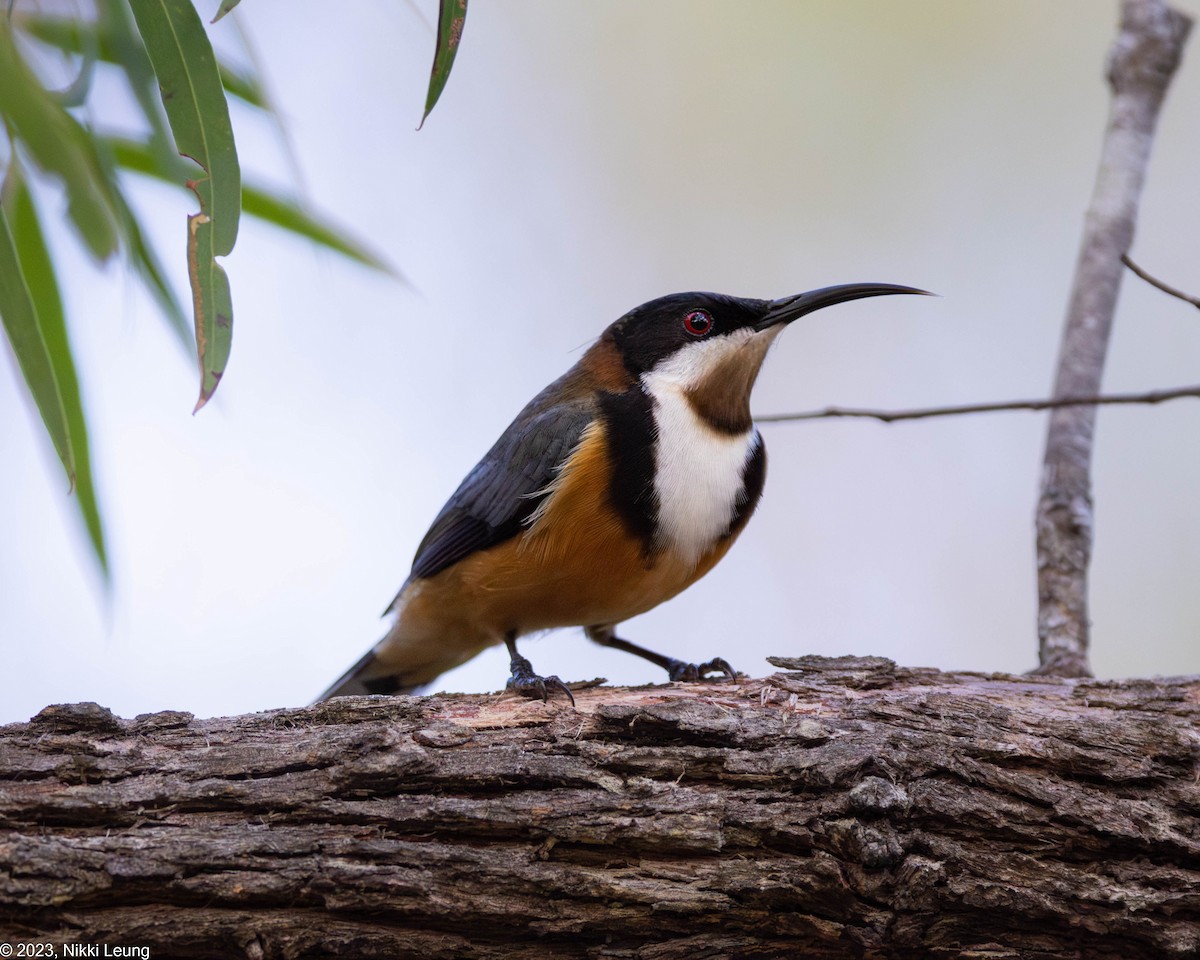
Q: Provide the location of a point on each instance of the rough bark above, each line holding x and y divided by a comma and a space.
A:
839, 808
1141, 64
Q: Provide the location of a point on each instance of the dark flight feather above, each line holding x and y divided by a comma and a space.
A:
503, 489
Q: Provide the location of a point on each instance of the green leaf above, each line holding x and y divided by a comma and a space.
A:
72, 35
141, 255
226, 6
148, 267
65, 33
291, 216
213, 306
57, 144
54, 384
119, 41
29, 344
245, 86
257, 202
191, 92
76, 94
452, 14
140, 157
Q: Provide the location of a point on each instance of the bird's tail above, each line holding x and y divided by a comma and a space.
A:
368, 676
426, 640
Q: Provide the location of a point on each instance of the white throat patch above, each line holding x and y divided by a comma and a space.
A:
698, 469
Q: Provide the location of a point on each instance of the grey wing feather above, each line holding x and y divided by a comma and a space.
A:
500, 493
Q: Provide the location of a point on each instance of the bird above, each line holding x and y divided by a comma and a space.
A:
618, 486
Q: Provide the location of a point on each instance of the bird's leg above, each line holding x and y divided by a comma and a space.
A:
676, 669
527, 683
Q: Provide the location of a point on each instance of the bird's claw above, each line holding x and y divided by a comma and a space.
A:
693, 672
528, 684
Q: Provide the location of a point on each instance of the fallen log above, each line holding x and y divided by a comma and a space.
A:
837, 808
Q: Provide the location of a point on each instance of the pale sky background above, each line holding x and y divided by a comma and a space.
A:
587, 157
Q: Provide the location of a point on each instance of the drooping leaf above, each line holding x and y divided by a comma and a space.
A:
148, 267
76, 94
29, 345
192, 94
65, 33
291, 216
213, 306
61, 390
58, 144
226, 6
257, 202
245, 86
141, 255
70, 35
452, 14
119, 40
138, 156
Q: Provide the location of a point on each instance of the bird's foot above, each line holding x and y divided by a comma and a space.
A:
692, 672
528, 684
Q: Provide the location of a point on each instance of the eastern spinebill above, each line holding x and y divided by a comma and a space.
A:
619, 485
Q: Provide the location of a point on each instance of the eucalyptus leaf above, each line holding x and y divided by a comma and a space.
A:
452, 15
226, 6
29, 345
72, 35
194, 99
125, 48
291, 216
58, 145
259, 202
37, 268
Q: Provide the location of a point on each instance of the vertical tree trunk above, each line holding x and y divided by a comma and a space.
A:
1141, 65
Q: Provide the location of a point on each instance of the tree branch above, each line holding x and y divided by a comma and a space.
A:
1141, 64
923, 413
839, 808
1155, 282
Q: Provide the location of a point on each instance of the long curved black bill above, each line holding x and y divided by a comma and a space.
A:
787, 309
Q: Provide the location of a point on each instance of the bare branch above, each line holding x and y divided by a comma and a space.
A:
1142, 61
924, 413
1154, 282
841, 807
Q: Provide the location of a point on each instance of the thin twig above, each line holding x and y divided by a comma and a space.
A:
890, 416
1154, 282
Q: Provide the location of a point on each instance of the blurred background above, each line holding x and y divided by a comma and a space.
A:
585, 158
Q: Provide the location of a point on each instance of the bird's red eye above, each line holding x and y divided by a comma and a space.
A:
697, 323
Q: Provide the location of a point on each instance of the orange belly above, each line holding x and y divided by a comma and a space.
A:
575, 565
